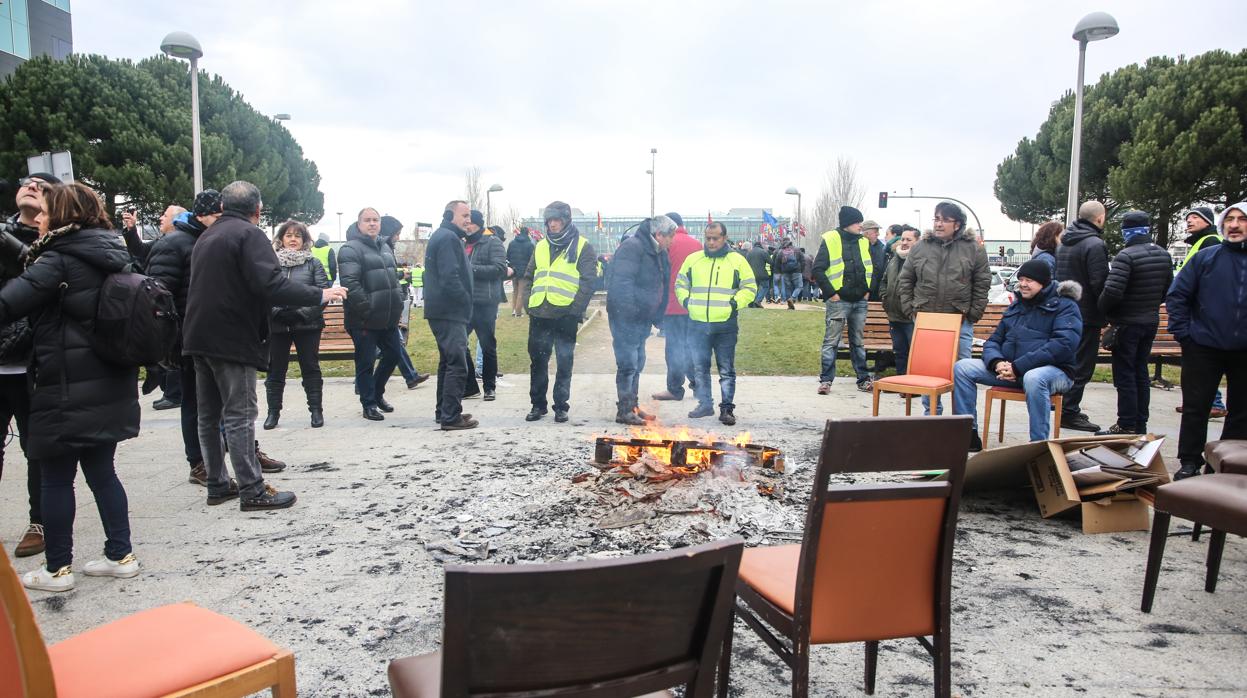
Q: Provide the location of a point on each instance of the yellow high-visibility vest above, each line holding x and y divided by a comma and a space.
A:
835, 253
417, 277
555, 280
322, 254
1196, 247
706, 286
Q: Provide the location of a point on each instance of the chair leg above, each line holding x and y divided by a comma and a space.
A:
725, 659
1216, 543
874, 410
1155, 553
872, 659
987, 419
1195, 529
1058, 403
942, 657
286, 687
909, 404
801, 668
1003, 404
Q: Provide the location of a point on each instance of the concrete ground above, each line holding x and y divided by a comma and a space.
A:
351, 576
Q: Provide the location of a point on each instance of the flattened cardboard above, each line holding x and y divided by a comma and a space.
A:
1055, 491
1001, 468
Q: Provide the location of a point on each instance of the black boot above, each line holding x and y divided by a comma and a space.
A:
726, 416
626, 414
314, 387
274, 392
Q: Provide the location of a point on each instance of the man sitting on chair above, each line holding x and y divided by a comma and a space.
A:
1032, 348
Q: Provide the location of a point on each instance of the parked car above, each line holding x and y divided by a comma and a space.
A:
1001, 291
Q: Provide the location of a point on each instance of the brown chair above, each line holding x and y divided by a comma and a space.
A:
1227, 455
175, 650
876, 559
1006, 395
610, 628
932, 354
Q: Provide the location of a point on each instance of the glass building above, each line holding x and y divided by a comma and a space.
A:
30, 28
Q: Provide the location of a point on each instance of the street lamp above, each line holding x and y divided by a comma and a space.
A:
339, 225
918, 221
183, 45
1094, 27
282, 117
792, 191
653, 153
488, 205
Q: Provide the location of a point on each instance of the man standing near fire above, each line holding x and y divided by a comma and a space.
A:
713, 284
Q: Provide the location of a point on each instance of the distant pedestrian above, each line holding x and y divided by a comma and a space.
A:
636, 302
488, 260
844, 270
878, 255
900, 325
367, 269
448, 310
1138, 279
1083, 257
1201, 234
760, 265
675, 327
328, 259
1044, 243
788, 260
519, 252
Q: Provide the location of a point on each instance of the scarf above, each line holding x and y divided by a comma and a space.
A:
39, 246
287, 257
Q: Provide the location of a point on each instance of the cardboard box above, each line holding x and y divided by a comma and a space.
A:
1042, 464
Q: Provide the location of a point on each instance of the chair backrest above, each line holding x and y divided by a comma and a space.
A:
876, 559
25, 669
621, 627
933, 350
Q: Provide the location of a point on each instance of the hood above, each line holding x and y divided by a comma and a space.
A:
1241, 206
352, 232
965, 234
102, 249
191, 225
1078, 231
1070, 289
390, 226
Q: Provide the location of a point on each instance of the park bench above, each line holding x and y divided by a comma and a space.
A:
335, 342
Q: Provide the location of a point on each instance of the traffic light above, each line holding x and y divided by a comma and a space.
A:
883, 199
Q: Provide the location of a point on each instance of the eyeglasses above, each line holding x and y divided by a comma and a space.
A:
27, 181
939, 219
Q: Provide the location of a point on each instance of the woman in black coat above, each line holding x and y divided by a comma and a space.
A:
80, 406
300, 326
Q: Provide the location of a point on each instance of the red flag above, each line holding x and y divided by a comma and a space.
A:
709, 220
599, 220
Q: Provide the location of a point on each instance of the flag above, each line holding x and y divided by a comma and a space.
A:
709, 220
599, 220
768, 218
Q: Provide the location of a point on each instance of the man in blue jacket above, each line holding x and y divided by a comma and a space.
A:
1033, 348
1208, 316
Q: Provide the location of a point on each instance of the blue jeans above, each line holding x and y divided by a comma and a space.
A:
372, 373
793, 283
676, 351
839, 314
1040, 384
764, 291
902, 336
719, 338
628, 341
965, 346
59, 505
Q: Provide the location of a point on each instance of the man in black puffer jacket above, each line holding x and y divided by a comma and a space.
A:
488, 258
1083, 257
1138, 279
235, 281
518, 253
448, 289
636, 300
366, 268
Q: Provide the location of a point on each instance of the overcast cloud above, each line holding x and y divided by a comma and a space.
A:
563, 100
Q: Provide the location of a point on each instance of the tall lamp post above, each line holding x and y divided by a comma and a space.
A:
653, 156
339, 225
183, 45
792, 191
489, 208
1094, 27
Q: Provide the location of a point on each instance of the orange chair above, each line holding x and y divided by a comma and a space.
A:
932, 354
175, 650
1006, 395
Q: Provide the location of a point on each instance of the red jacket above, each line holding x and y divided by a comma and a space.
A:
681, 247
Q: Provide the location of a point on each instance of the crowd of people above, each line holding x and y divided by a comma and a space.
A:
243, 300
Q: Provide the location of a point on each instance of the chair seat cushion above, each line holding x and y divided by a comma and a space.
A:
896, 383
421, 677
1005, 389
1227, 456
1218, 501
155, 652
772, 572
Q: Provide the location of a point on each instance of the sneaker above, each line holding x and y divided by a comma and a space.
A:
1078, 422
667, 395
31, 543
534, 414
976, 443
865, 385
472, 396
124, 568
270, 498
461, 424
824, 388
1187, 470
560, 416
490, 396
268, 465
43, 580
165, 404
411, 384
702, 411
198, 475
223, 497
1115, 430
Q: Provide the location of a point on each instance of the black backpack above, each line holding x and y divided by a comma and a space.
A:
136, 321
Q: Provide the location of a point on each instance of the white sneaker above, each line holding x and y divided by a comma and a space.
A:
43, 580
124, 568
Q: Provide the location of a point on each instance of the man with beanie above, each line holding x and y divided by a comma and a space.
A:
675, 321
947, 272
15, 355
488, 260
448, 310
1083, 257
1032, 349
562, 272
636, 299
1137, 282
325, 254
367, 269
844, 271
760, 264
1201, 234
1207, 304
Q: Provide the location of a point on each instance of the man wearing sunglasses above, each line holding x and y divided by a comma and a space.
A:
15, 347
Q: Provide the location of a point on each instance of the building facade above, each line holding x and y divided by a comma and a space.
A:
741, 224
30, 28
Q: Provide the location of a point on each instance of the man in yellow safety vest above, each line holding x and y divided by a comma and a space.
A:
713, 284
844, 270
1201, 234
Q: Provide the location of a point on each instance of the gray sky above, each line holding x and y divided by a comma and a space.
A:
558, 99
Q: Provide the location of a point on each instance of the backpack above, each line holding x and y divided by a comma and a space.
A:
136, 321
790, 263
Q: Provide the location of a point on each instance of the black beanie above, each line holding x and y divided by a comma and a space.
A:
49, 178
1036, 270
477, 217
1134, 219
207, 203
849, 216
679, 222
1205, 213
